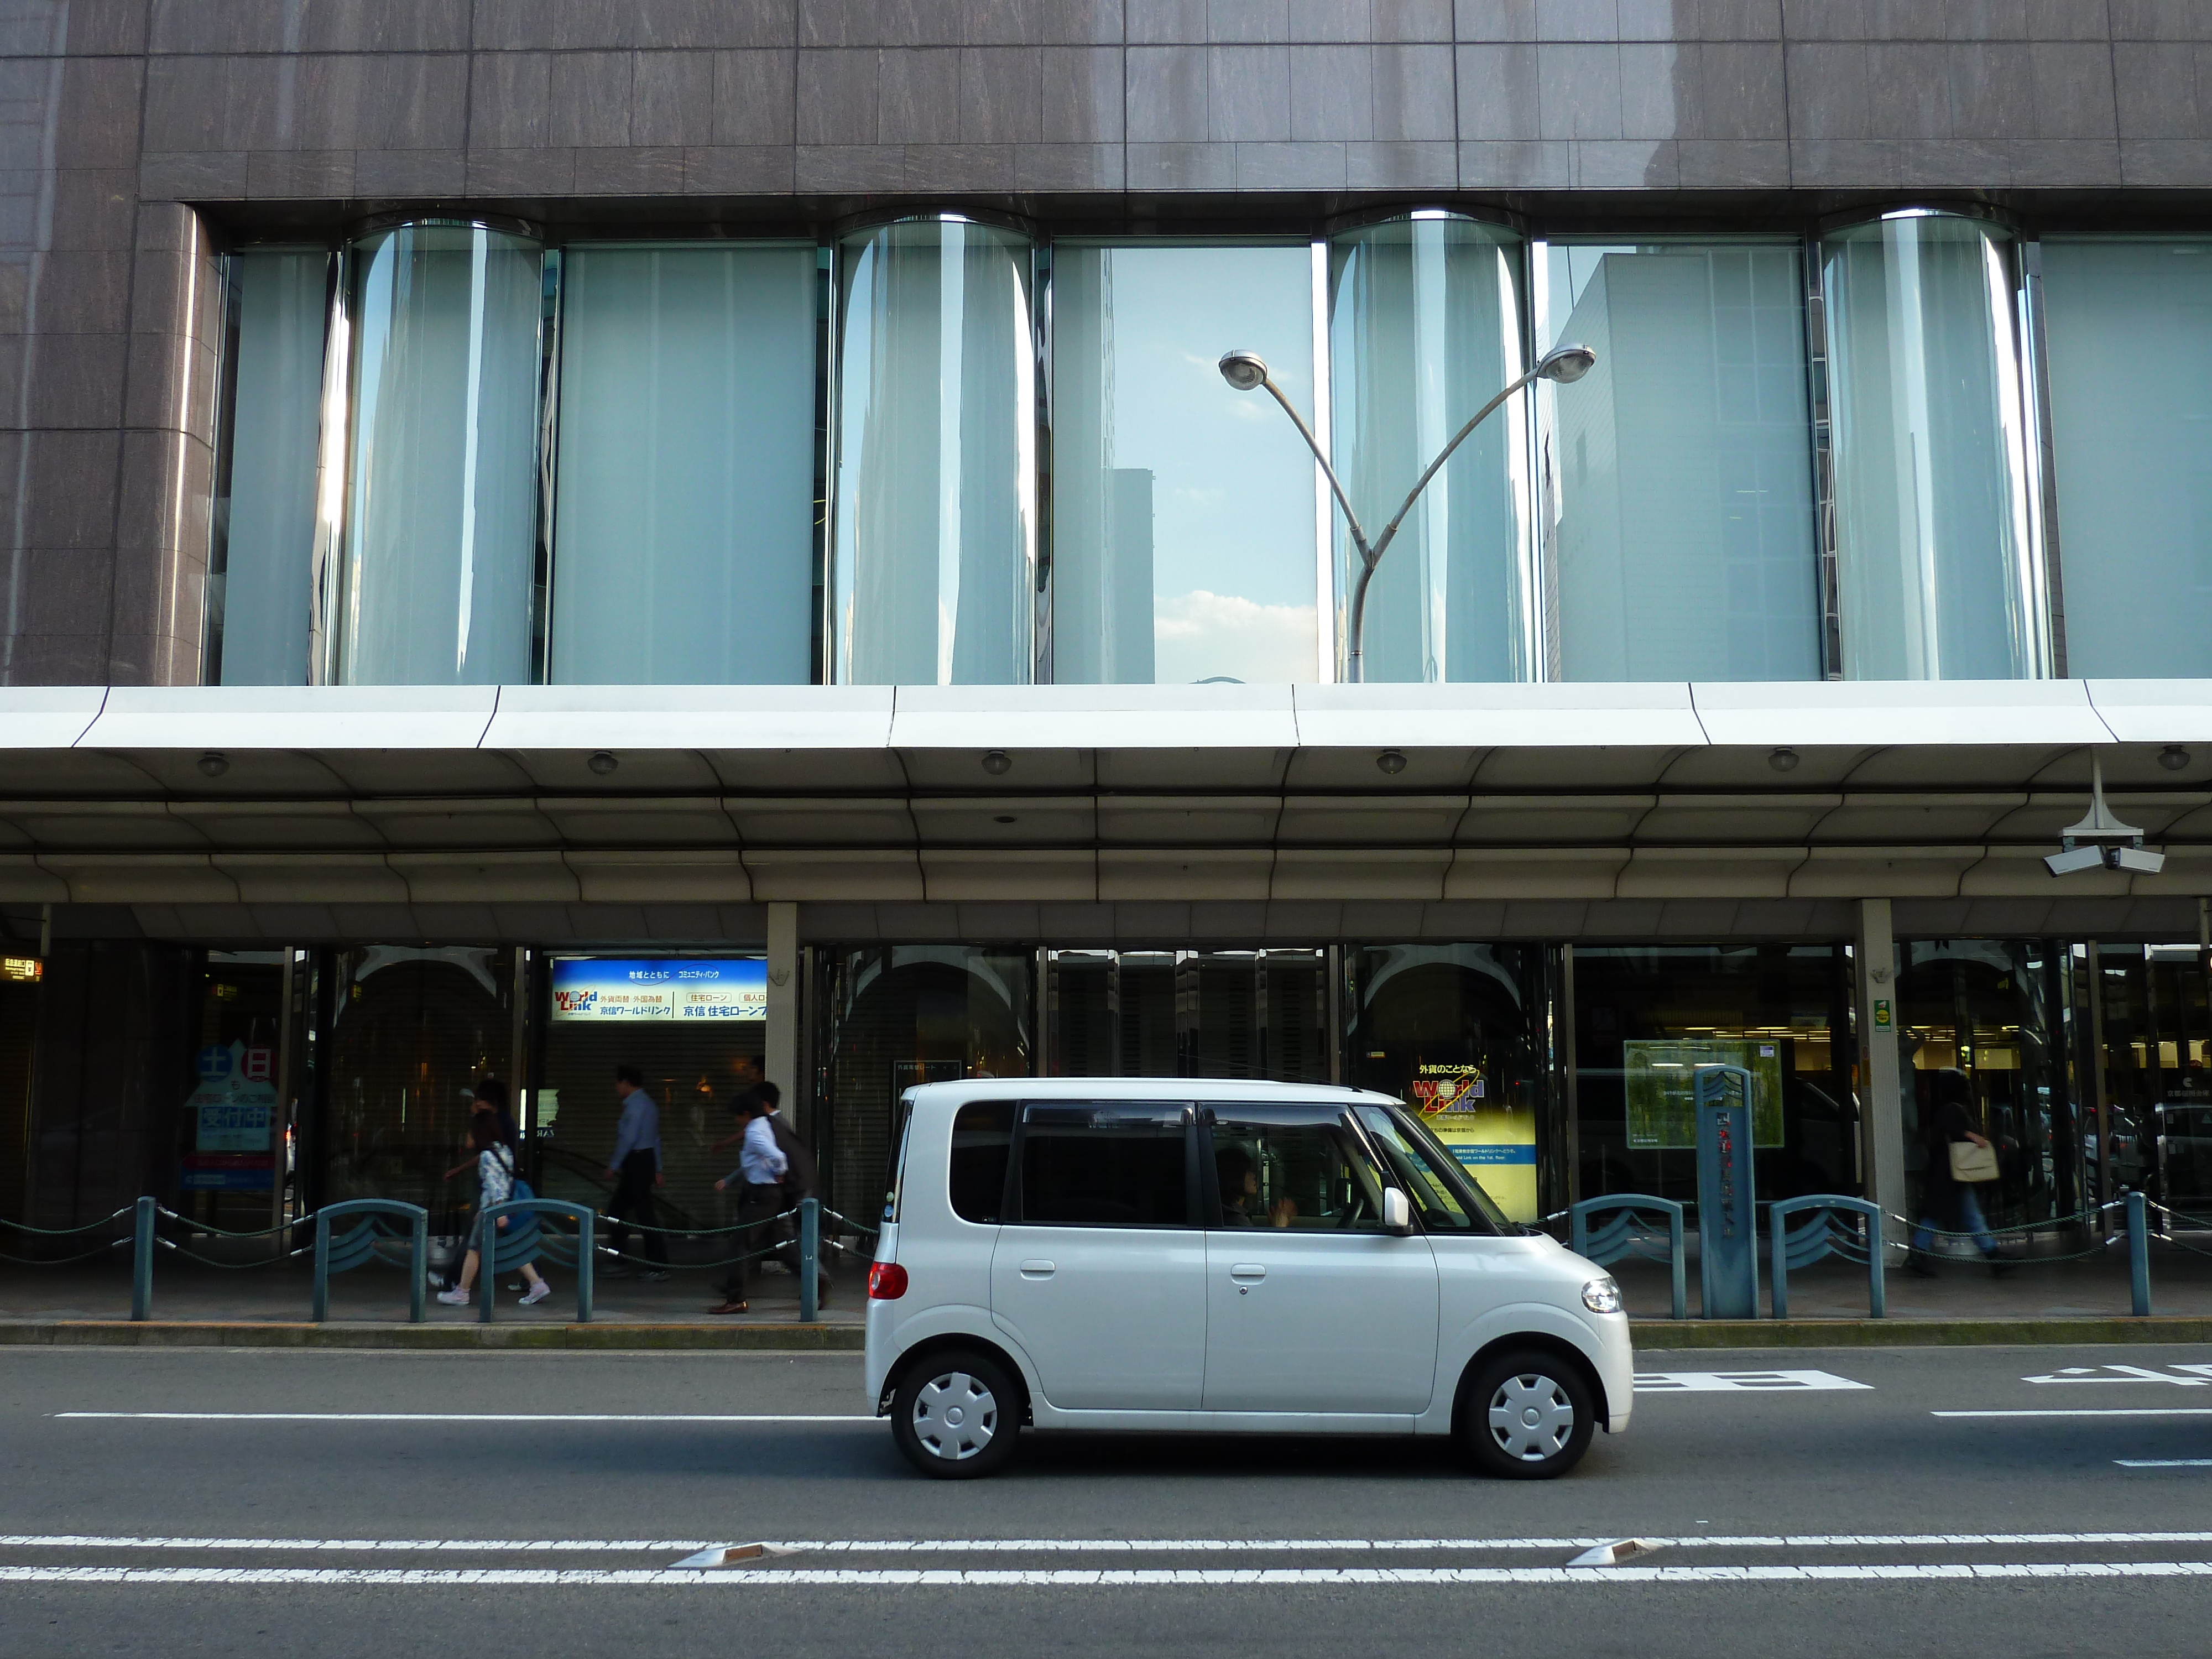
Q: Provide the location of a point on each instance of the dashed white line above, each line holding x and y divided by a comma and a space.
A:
984, 1579
2164, 1462
1109, 1546
2091, 1411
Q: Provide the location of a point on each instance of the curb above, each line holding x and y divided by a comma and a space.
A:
1657, 1334
1660, 1334
595, 1338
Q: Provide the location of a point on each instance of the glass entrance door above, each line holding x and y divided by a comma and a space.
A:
2152, 1011
1190, 1013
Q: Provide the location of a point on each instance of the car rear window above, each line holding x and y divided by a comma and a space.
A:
982, 1137
1104, 1166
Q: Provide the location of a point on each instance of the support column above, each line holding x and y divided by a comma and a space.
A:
781, 1061
1882, 1111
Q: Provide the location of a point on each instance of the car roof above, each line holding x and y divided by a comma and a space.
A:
1137, 1088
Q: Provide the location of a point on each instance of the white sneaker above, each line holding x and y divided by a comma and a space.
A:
455, 1298
538, 1292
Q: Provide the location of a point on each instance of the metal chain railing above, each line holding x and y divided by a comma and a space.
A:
147, 1242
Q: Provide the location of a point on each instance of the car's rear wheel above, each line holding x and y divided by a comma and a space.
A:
955, 1416
1529, 1416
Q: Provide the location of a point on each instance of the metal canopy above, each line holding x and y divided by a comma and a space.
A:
246, 794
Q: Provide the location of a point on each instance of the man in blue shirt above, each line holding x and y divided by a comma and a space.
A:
635, 1170
759, 1180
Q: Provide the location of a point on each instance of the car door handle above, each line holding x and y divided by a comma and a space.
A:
1038, 1269
1248, 1271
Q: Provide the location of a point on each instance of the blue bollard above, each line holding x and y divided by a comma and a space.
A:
2138, 1254
810, 1257
142, 1261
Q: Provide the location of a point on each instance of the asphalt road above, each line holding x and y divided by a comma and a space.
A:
373, 1518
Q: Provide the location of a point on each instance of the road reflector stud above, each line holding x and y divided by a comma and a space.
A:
731, 1555
1613, 1555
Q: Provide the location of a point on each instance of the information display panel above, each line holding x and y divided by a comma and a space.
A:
1661, 1076
687, 989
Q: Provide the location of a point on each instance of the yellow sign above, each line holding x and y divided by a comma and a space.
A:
1494, 1144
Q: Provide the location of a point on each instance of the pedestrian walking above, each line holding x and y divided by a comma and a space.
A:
758, 1180
1948, 1202
495, 1179
635, 1171
800, 1180
750, 1083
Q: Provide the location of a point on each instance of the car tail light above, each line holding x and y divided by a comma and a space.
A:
886, 1281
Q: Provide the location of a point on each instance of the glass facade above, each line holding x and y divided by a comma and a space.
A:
2129, 345
1684, 542
684, 540
1464, 1032
441, 507
1189, 1013
2153, 1020
691, 1069
1647, 1017
1184, 528
410, 1031
940, 452
260, 561
1981, 1023
935, 534
1425, 327
1935, 567
891, 1017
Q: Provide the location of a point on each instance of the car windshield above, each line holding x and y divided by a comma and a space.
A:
1448, 1201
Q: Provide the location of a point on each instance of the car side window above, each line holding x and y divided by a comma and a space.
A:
982, 1140
1104, 1166
1302, 1171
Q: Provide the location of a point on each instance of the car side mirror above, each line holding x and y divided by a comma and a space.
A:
1397, 1211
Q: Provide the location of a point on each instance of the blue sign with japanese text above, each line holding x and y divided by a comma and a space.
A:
688, 989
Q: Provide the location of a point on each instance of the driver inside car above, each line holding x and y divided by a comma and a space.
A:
1239, 1179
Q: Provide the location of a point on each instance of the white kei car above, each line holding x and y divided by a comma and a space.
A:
1175, 1254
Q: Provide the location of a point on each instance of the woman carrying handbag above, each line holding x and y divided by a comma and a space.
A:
1959, 1158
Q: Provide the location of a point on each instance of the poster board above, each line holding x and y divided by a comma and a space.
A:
1495, 1143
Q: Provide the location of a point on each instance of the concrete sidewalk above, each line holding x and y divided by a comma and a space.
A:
283, 1293
1963, 1288
268, 1303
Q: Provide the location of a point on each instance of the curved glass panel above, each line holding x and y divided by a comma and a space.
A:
1183, 540
683, 537
1684, 463
441, 514
2128, 324
1424, 328
934, 551
1932, 503
257, 594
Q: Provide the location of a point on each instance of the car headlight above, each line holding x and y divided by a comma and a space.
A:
1601, 1295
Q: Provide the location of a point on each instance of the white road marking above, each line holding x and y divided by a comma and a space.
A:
472, 1417
2091, 1411
1115, 1546
2164, 1462
967, 1578
1740, 1382
2200, 1377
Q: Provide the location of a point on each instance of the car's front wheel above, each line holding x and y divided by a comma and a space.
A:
1529, 1416
955, 1416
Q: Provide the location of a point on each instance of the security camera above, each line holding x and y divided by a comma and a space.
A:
2141, 860
2074, 860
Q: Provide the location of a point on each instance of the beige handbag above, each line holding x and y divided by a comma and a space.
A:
1971, 1161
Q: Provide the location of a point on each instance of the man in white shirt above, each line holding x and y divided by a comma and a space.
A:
759, 1180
